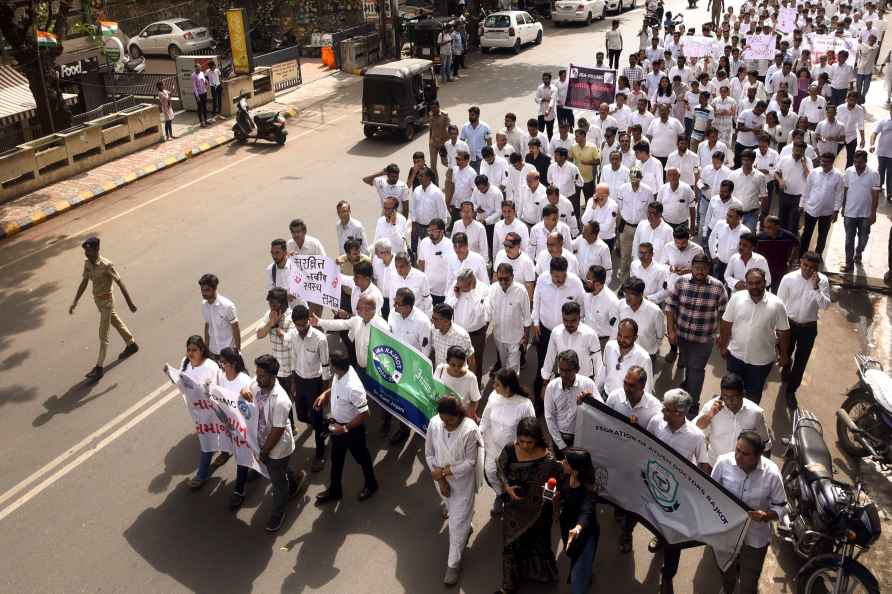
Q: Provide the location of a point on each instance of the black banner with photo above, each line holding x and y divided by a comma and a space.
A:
590, 87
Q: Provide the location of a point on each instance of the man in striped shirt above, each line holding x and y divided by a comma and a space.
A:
693, 310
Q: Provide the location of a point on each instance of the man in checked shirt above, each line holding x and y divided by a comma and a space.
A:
694, 307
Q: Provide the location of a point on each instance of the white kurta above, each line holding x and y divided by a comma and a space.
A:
460, 450
499, 428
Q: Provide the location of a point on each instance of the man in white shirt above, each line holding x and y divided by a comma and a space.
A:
613, 176
663, 133
724, 241
452, 145
603, 210
278, 274
641, 115
813, 106
678, 256
648, 315
547, 98
408, 323
685, 161
564, 114
387, 183
621, 112
310, 375
574, 336
654, 274
804, 293
791, 174
302, 244
753, 323
830, 132
474, 231
743, 261
565, 176
531, 199
749, 122
677, 199
349, 228
561, 397
620, 355
633, 401
565, 138
654, 231
392, 226
434, 254
851, 116
859, 206
495, 167
428, 203
868, 52
460, 186
468, 300
723, 418
633, 200
540, 232
750, 187
514, 135
601, 304
821, 201
221, 325
509, 313
842, 78
415, 280
590, 250
650, 167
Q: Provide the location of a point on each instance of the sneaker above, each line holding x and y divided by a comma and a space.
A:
317, 465
275, 522
451, 577
130, 349
95, 374
236, 500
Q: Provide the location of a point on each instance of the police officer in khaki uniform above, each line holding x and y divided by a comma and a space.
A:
439, 134
102, 273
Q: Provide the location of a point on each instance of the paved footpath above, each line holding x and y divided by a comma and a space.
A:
191, 140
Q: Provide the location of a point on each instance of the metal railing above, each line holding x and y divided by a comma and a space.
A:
141, 85
104, 109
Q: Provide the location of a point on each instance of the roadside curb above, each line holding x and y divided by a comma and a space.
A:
9, 229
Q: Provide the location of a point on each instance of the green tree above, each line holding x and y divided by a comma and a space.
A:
19, 23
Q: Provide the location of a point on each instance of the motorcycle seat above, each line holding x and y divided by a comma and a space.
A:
266, 116
881, 385
816, 460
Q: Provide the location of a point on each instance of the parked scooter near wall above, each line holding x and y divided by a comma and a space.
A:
868, 414
268, 125
828, 522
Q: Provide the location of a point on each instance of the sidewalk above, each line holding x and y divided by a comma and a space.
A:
190, 140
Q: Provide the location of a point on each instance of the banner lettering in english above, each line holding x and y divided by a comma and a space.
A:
590, 87
316, 279
640, 474
224, 422
401, 379
760, 47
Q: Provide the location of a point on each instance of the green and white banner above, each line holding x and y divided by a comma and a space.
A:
401, 379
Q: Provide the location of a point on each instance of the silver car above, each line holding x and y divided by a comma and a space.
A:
172, 37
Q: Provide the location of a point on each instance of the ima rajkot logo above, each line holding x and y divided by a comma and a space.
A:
244, 409
662, 485
388, 363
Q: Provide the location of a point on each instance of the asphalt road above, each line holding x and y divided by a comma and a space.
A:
92, 493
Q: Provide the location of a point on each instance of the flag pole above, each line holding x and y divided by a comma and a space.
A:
46, 95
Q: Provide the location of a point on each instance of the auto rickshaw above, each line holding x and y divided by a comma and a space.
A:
423, 34
397, 97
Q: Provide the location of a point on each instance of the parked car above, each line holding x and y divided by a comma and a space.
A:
578, 11
510, 28
617, 6
173, 37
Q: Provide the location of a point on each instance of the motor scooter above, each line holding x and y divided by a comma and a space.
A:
269, 125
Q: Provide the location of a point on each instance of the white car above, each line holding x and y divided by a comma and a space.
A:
173, 37
578, 11
618, 6
510, 28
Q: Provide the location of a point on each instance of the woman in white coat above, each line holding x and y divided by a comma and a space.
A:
452, 448
508, 404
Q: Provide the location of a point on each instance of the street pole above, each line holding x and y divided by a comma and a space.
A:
43, 87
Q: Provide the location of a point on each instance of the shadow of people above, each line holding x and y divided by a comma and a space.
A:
181, 460
78, 395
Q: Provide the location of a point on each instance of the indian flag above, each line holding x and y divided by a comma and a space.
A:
109, 28
46, 39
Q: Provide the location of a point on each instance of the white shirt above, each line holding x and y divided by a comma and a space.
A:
725, 241
664, 136
465, 387
711, 180
827, 129
753, 335
539, 237
800, 297
219, 317
413, 330
749, 119
687, 164
725, 427
509, 312
311, 247
851, 119
523, 265
560, 406
399, 190
841, 76
793, 174
676, 258
651, 323
498, 424
658, 237
280, 277
677, 203
766, 161
530, 203
473, 262
605, 216
614, 179
546, 98
358, 331
632, 203
737, 269
417, 282
602, 312
566, 177
488, 205
705, 152
352, 230
651, 173
436, 258
428, 203
548, 299
463, 184
469, 309
647, 408
655, 277
615, 367
453, 148
382, 274
477, 242
643, 119
348, 398
884, 141
749, 188
622, 115
309, 354
497, 173
813, 109
761, 489
823, 193
396, 233
275, 407
503, 228
860, 189
688, 441
591, 254
543, 262
584, 342
370, 291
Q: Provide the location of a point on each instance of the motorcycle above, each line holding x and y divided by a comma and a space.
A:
828, 522
868, 408
268, 125
128, 64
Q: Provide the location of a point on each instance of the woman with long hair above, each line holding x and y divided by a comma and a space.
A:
578, 516
233, 377
663, 94
524, 470
508, 403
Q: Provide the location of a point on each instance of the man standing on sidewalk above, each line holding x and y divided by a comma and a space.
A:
102, 273
213, 78
200, 90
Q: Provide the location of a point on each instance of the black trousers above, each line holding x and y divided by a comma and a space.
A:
851, 147
306, 390
419, 232
354, 442
546, 126
565, 114
788, 212
541, 351
216, 98
808, 228
202, 101
385, 308
802, 340
613, 58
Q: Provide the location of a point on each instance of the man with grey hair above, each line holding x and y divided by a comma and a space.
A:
468, 300
675, 431
404, 275
561, 397
509, 312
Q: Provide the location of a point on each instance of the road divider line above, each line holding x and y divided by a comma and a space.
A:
160, 395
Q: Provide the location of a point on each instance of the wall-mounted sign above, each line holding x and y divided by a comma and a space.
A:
240, 41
